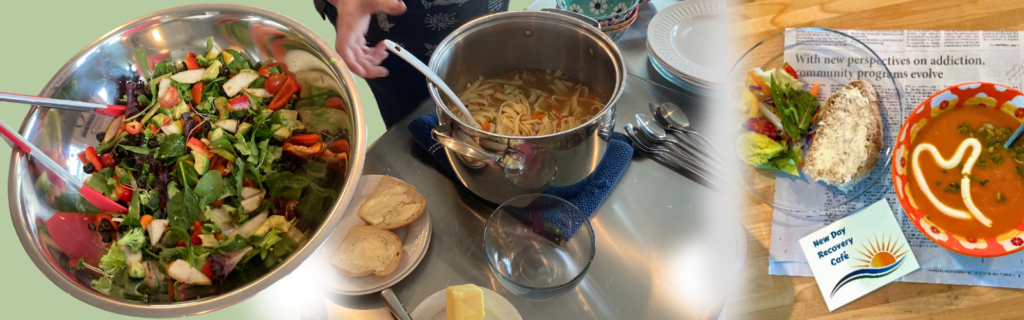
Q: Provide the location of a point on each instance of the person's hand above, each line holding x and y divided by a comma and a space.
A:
352, 23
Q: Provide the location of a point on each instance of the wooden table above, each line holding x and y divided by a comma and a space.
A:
775, 297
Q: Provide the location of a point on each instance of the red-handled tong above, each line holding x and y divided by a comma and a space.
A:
95, 197
108, 109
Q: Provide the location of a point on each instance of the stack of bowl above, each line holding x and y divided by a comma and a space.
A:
615, 16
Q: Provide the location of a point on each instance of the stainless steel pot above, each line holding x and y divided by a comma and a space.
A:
93, 74
499, 167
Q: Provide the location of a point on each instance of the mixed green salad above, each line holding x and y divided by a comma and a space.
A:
779, 114
223, 164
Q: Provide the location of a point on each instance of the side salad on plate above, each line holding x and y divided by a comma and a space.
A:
223, 163
780, 112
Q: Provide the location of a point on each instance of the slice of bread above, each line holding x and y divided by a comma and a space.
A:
393, 204
846, 145
368, 250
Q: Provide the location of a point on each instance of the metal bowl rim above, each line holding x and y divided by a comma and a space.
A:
239, 294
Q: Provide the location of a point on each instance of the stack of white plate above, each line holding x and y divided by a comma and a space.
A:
686, 43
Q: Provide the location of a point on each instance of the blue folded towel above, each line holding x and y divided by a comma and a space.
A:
586, 195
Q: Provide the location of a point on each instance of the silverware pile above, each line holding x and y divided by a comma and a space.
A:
691, 152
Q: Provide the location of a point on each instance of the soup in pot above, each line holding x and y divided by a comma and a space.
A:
528, 103
961, 176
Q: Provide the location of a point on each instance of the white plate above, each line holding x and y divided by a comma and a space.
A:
435, 307
415, 239
686, 37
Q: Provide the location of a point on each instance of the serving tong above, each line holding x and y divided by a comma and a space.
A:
102, 109
97, 198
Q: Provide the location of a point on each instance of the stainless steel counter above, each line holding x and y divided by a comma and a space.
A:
640, 270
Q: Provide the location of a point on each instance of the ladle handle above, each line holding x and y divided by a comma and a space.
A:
463, 148
415, 62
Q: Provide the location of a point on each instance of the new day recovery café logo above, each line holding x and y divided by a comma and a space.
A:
875, 260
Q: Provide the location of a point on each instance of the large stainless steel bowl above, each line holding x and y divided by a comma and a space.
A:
93, 74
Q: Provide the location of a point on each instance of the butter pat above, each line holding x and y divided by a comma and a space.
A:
465, 302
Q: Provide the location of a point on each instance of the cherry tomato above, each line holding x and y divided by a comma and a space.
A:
336, 103
248, 183
197, 92
107, 160
123, 193
285, 95
170, 98
275, 82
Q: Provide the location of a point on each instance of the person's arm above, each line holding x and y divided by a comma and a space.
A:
351, 22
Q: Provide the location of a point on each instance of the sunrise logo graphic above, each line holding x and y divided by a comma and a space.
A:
882, 258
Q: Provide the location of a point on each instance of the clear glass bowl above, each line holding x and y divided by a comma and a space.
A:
798, 196
539, 246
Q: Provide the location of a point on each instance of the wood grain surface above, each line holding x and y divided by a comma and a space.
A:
774, 297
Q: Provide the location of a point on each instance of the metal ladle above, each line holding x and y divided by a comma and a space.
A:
415, 62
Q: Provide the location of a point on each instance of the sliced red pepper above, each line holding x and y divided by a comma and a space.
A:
153, 128
197, 146
336, 103
190, 61
285, 95
105, 216
90, 154
303, 151
206, 270
83, 158
304, 139
133, 127
341, 145
240, 102
789, 69
197, 92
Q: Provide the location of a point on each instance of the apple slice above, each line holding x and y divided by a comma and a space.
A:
189, 77
156, 230
180, 270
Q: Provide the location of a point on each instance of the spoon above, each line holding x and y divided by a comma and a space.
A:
95, 197
675, 119
651, 128
108, 109
395, 305
1016, 135
666, 155
690, 157
415, 62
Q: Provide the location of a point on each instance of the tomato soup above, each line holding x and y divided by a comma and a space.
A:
981, 201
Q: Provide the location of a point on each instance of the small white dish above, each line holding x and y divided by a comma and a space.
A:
686, 37
435, 307
415, 239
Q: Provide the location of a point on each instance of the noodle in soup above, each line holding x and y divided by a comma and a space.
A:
528, 103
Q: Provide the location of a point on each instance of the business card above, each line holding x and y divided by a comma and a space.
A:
858, 254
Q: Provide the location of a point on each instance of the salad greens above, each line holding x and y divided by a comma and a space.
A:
220, 164
780, 114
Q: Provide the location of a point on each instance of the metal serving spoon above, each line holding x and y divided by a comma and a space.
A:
667, 156
415, 62
107, 109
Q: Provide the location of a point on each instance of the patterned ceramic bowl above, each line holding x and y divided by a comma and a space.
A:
629, 20
617, 34
990, 95
606, 12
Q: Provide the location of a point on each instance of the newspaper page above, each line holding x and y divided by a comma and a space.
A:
922, 62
